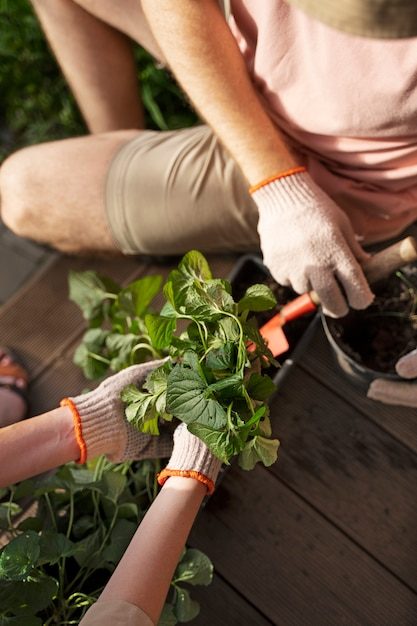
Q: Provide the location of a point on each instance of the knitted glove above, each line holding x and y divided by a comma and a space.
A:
191, 458
308, 242
101, 426
392, 392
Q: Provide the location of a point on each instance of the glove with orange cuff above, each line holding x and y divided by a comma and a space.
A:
191, 459
101, 427
308, 242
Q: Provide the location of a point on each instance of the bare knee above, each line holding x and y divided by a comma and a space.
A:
17, 189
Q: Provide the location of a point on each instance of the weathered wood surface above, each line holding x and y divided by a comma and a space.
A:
291, 562
326, 536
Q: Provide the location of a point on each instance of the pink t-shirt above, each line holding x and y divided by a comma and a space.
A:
347, 104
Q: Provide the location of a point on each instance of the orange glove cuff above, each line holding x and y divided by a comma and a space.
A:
270, 179
166, 473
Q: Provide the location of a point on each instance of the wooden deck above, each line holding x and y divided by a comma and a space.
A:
327, 536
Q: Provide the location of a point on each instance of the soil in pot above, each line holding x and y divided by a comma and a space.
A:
378, 336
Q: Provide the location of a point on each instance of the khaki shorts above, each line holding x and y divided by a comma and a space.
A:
170, 192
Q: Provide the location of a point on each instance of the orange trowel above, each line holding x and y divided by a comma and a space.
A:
379, 266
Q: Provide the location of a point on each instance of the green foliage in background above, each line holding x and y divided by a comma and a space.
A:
36, 104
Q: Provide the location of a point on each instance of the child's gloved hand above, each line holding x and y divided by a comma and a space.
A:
101, 426
392, 392
192, 459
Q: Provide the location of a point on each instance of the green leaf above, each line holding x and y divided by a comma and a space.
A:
115, 484
260, 387
136, 297
121, 350
27, 598
194, 266
90, 291
19, 557
185, 608
54, 546
131, 393
20, 620
257, 298
87, 354
220, 442
128, 510
186, 399
8, 509
160, 329
222, 358
86, 549
229, 387
194, 568
167, 616
258, 449
120, 537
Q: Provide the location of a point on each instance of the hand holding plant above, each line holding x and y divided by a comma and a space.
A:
101, 427
213, 380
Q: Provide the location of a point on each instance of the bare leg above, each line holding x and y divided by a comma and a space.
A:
36, 445
55, 192
90, 41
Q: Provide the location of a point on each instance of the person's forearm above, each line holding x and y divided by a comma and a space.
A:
144, 574
37, 445
205, 58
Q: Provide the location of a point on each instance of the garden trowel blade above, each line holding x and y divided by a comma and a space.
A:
272, 331
274, 335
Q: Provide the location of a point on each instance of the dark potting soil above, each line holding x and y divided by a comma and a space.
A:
378, 336
253, 272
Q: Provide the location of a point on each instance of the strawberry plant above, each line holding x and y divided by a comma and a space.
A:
212, 379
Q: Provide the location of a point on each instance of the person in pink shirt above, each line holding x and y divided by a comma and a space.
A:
311, 104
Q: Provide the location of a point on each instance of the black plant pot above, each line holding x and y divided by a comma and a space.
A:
358, 374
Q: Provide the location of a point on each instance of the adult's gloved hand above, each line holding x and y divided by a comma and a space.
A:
308, 242
101, 426
191, 458
392, 392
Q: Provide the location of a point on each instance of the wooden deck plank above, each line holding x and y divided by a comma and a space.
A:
399, 421
40, 319
356, 474
287, 559
222, 606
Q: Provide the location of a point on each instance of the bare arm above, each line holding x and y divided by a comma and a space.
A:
144, 574
204, 56
37, 445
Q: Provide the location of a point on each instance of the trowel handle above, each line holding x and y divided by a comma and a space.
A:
385, 262
390, 259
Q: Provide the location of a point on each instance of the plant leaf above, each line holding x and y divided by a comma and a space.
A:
219, 442
160, 329
257, 298
260, 387
194, 568
90, 290
186, 399
258, 449
194, 265
137, 296
54, 546
167, 616
185, 608
19, 557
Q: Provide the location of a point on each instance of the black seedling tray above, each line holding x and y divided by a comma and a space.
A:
250, 270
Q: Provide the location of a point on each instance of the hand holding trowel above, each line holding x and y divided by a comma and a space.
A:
379, 266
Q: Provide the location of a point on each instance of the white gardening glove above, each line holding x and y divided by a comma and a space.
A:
102, 428
192, 459
392, 392
308, 243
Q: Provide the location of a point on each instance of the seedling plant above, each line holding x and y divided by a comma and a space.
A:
212, 378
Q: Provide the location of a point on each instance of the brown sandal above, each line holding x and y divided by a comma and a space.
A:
14, 370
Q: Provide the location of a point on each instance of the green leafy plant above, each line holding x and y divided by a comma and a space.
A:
80, 523
213, 378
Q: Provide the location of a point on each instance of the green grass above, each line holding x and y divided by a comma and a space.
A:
36, 104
